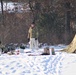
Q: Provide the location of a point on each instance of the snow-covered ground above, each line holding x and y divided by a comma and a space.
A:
22, 64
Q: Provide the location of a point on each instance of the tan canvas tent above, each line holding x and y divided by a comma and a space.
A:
72, 46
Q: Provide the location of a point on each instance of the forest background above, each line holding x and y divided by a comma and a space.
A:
56, 20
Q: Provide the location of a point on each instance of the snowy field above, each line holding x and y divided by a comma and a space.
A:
22, 64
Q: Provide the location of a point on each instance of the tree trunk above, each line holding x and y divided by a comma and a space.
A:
2, 12
6, 5
67, 22
72, 46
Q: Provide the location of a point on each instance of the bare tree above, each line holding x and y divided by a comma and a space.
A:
2, 12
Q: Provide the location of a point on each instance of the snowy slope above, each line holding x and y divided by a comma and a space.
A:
59, 64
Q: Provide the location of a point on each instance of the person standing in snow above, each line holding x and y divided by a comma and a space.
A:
33, 36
